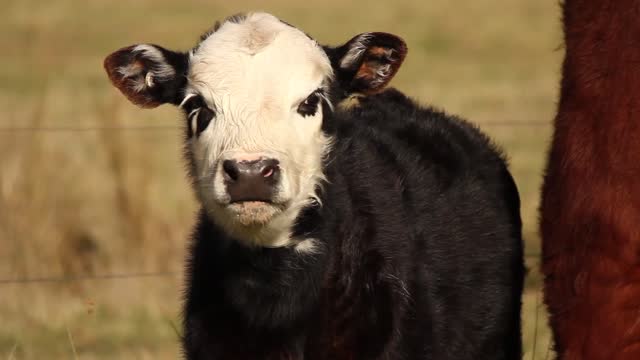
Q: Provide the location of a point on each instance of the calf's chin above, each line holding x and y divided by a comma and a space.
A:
253, 213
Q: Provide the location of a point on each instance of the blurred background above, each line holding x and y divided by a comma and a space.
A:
95, 208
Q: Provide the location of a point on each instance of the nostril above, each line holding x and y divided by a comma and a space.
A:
231, 170
268, 170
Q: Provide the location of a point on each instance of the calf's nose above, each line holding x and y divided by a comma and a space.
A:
251, 180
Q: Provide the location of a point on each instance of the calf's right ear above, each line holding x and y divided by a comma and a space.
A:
148, 75
366, 63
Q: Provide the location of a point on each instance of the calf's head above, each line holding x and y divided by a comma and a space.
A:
256, 93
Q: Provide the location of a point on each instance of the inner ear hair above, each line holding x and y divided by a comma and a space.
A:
371, 60
148, 75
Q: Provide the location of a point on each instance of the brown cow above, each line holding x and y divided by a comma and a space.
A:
590, 212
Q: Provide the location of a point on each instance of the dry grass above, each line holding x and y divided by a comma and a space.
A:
105, 201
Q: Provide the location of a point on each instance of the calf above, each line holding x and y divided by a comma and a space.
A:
339, 219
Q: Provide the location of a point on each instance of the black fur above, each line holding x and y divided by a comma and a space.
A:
420, 253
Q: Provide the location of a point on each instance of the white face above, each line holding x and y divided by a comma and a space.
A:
254, 75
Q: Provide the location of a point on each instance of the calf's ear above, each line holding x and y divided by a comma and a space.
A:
148, 75
367, 63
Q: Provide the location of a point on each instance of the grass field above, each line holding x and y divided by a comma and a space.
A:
79, 198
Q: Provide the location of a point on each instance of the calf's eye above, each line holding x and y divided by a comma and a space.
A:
198, 114
203, 119
309, 106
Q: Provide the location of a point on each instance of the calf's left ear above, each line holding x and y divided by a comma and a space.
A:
367, 63
148, 75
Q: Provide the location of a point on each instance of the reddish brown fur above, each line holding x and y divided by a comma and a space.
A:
117, 60
377, 56
590, 212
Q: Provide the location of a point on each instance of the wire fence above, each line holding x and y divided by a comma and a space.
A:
73, 128
67, 280
123, 276
63, 279
138, 275
88, 128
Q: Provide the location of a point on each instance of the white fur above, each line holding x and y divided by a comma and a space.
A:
255, 74
306, 246
186, 98
355, 52
382, 74
162, 70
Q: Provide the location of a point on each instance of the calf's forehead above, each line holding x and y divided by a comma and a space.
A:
260, 53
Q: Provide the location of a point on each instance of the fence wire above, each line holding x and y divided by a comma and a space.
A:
138, 275
123, 276
177, 127
87, 128
62, 279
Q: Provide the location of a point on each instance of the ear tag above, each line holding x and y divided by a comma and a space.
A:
148, 79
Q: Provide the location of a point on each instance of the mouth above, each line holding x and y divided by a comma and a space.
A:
251, 201
253, 212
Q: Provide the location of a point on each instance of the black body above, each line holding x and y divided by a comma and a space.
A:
419, 256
